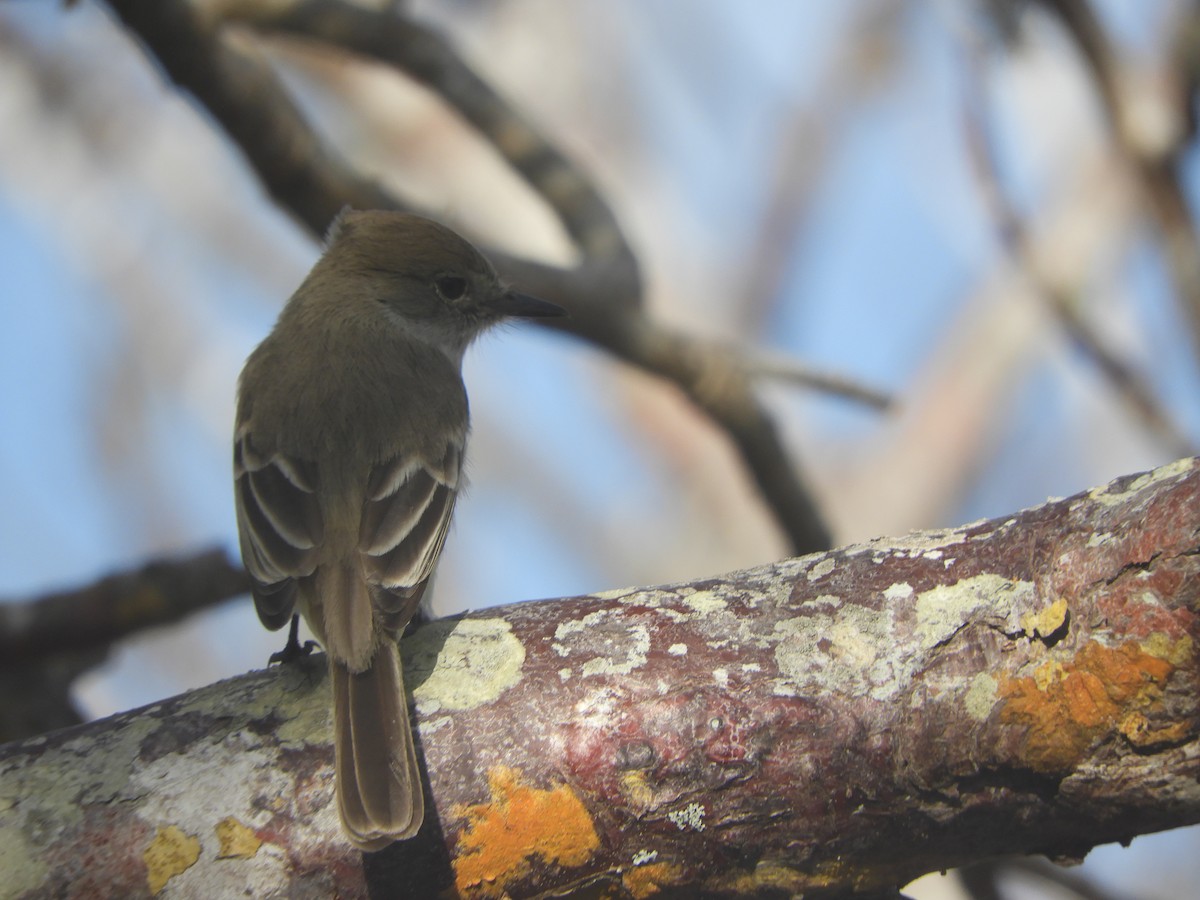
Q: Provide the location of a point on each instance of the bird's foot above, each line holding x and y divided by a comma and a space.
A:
293, 650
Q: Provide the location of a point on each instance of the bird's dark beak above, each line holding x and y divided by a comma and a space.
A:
511, 303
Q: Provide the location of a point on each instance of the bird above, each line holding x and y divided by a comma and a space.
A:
351, 427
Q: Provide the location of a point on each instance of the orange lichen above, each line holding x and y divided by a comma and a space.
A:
648, 880
1067, 706
519, 823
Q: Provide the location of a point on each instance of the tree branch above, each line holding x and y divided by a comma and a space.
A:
842, 721
47, 642
90, 618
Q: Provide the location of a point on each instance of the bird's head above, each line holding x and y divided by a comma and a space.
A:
428, 280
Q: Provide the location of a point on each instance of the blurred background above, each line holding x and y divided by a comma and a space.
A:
948, 201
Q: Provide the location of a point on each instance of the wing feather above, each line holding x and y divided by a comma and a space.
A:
405, 520
279, 525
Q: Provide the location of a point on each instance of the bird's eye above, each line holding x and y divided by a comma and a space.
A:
451, 287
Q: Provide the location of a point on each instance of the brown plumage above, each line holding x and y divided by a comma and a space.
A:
351, 427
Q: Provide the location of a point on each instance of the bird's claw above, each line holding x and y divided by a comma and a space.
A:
293, 650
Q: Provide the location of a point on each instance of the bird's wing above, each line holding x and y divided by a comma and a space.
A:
405, 517
279, 525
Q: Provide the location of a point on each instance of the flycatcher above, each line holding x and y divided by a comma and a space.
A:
351, 426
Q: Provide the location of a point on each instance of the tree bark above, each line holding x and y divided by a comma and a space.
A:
839, 722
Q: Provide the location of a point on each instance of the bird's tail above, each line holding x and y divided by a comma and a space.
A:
378, 783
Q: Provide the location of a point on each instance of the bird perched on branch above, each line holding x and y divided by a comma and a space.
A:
352, 422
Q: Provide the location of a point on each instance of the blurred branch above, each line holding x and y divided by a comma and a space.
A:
835, 724
93, 617
603, 292
46, 643
1128, 385
424, 55
36, 697
1152, 136
982, 880
764, 365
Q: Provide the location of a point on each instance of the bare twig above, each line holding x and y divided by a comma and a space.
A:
784, 368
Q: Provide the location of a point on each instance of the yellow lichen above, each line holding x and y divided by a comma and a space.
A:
1177, 651
1141, 733
635, 786
237, 841
1044, 623
171, 853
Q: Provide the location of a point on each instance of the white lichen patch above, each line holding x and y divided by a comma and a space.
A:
434, 725
603, 643
597, 709
830, 602
917, 543
691, 816
677, 649
705, 602
623, 594
652, 598
781, 687
199, 791
942, 610
1100, 538
721, 677
849, 652
821, 569
478, 661
642, 857
625, 659
981, 696
900, 590
1111, 495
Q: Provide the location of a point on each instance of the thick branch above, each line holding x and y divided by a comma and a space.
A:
841, 721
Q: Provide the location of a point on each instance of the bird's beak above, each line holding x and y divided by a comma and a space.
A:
511, 303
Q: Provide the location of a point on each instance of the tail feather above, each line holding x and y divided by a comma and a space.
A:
378, 782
